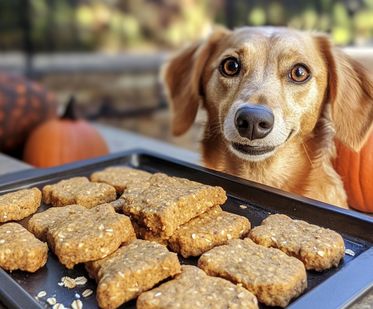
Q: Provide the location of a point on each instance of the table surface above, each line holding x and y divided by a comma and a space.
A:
119, 140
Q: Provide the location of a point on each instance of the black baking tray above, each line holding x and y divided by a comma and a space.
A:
335, 288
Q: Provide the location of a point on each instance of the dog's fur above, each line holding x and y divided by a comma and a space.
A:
337, 101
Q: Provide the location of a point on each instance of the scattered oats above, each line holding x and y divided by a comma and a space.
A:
243, 206
157, 294
194, 236
77, 304
81, 280
41, 294
51, 301
60, 283
349, 252
68, 282
109, 230
321, 253
58, 306
87, 293
77, 295
2, 241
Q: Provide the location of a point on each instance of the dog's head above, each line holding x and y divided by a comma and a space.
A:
263, 87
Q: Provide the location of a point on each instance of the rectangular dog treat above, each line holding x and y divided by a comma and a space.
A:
318, 248
40, 222
19, 204
210, 229
120, 177
63, 192
163, 203
272, 276
91, 236
194, 289
19, 249
78, 190
131, 270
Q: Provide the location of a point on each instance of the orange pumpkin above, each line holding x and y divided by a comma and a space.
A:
63, 140
356, 170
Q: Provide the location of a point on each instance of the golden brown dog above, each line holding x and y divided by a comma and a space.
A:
275, 98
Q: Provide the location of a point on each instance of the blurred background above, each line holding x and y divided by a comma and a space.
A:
107, 54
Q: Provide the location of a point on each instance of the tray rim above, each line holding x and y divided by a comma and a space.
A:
357, 268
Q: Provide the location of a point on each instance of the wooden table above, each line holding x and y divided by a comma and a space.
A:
119, 140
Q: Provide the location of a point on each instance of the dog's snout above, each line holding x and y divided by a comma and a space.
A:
254, 121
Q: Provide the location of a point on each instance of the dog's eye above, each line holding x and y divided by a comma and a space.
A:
299, 73
230, 67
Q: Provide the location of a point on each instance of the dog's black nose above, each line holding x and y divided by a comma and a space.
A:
254, 121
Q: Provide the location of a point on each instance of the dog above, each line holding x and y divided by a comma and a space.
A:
276, 99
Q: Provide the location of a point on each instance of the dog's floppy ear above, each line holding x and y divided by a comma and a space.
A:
182, 77
350, 89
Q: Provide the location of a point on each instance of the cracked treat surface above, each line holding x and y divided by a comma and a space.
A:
272, 276
318, 248
146, 234
131, 270
19, 204
163, 203
40, 222
90, 235
210, 229
194, 289
120, 177
19, 249
78, 190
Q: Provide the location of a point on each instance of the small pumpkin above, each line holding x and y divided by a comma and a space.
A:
64, 140
23, 106
356, 170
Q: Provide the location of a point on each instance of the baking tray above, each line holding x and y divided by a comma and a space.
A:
335, 288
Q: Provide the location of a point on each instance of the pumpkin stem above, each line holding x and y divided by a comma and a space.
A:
70, 112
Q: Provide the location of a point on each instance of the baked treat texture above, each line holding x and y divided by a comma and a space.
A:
120, 177
20, 204
89, 236
272, 276
131, 270
40, 222
194, 289
163, 203
146, 234
78, 190
210, 229
19, 249
318, 248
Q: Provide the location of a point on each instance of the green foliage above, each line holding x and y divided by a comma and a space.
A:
125, 24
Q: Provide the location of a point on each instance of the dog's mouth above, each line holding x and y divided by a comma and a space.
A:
253, 150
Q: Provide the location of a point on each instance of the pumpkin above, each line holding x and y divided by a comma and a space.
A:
23, 106
64, 140
356, 170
